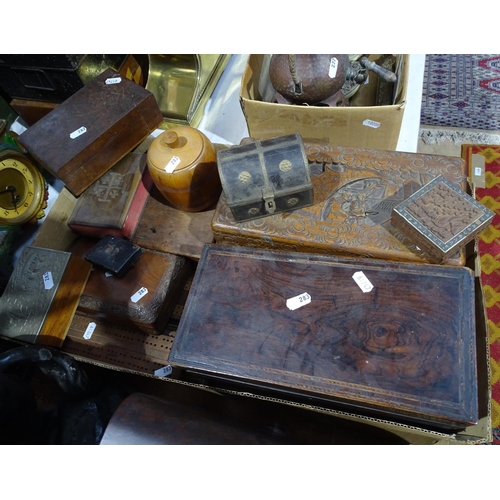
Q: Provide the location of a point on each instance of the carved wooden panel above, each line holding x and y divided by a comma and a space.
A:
355, 191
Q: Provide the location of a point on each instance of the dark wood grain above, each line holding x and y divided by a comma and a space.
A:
117, 118
407, 348
164, 228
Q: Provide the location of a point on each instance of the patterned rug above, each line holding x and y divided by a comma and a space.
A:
461, 90
489, 252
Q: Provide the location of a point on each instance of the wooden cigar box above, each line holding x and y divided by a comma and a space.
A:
42, 295
114, 203
355, 191
386, 340
144, 298
440, 218
88, 133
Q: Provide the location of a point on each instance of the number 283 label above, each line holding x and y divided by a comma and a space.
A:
298, 301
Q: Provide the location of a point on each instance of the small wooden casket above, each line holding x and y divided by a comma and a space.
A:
265, 177
390, 340
440, 218
355, 191
83, 137
114, 203
41, 297
144, 298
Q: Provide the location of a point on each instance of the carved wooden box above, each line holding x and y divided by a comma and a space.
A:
114, 203
440, 218
355, 191
394, 341
144, 298
81, 139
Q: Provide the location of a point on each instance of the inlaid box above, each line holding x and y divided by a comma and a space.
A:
440, 218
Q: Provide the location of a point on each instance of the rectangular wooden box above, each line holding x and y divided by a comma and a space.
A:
440, 218
261, 178
355, 191
81, 139
122, 301
114, 203
42, 295
398, 344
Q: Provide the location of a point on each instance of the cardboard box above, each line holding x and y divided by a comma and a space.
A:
375, 127
144, 356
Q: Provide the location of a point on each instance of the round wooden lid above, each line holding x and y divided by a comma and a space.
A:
176, 149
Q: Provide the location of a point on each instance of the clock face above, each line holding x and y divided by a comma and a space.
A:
22, 189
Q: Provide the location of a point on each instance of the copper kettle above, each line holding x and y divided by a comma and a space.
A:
308, 78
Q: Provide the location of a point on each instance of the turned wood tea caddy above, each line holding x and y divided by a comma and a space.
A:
182, 163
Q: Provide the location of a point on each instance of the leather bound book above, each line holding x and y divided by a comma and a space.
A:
355, 191
88, 133
390, 340
114, 203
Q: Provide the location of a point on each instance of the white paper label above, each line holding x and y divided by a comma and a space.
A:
298, 301
139, 294
163, 372
89, 331
78, 133
112, 81
172, 164
371, 123
362, 281
48, 282
332, 70
478, 171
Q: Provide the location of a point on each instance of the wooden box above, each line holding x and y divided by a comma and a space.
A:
395, 341
144, 298
114, 203
355, 191
440, 218
261, 178
81, 139
42, 295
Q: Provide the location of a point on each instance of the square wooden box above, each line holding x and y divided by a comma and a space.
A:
403, 350
440, 218
83, 137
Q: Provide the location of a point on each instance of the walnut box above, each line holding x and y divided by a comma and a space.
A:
396, 341
83, 137
440, 218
